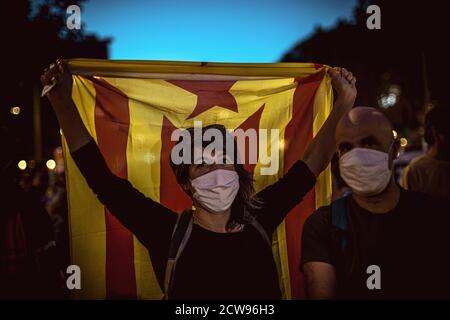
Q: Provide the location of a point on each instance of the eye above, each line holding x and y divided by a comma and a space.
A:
370, 143
344, 147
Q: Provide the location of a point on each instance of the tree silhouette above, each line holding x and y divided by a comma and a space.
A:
408, 54
35, 35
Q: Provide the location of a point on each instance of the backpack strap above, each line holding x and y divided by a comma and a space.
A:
255, 223
180, 237
339, 218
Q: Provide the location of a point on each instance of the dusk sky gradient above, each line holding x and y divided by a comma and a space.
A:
200, 30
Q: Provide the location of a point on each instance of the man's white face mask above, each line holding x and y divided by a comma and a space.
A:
216, 189
366, 171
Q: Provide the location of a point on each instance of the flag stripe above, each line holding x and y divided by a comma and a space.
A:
112, 123
169, 187
160, 69
86, 223
303, 108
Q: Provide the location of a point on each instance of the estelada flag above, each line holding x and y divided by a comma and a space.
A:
131, 109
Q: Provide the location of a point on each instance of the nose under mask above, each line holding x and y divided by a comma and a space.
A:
366, 171
216, 190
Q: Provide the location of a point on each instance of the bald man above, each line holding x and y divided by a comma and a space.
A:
381, 241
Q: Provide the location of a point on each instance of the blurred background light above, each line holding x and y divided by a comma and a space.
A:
22, 165
15, 111
403, 142
394, 133
51, 164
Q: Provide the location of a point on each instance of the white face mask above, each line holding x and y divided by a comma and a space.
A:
366, 171
216, 190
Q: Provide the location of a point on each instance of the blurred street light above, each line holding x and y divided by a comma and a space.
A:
403, 142
22, 164
387, 100
15, 111
390, 98
51, 164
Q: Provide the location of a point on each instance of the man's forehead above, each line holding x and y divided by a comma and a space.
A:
358, 132
363, 122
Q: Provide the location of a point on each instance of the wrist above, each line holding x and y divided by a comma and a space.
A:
344, 103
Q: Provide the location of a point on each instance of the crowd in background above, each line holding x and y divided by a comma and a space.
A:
34, 236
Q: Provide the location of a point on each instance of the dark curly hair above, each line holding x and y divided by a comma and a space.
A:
246, 200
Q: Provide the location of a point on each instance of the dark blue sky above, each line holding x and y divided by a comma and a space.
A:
201, 30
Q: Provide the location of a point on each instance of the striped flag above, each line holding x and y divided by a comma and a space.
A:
131, 108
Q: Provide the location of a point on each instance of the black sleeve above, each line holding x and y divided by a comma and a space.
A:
151, 222
316, 238
282, 196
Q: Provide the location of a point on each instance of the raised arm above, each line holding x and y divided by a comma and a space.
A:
147, 219
281, 197
322, 147
60, 98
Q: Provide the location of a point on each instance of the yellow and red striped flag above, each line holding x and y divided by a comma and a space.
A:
131, 108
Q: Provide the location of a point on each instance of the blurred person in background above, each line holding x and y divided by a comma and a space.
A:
430, 173
28, 263
56, 206
34, 182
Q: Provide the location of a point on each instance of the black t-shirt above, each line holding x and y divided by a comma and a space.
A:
212, 265
238, 263
410, 244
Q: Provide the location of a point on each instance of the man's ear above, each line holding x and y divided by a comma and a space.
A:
396, 148
394, 153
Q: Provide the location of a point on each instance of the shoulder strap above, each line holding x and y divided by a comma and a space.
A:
180, 236
255, 223
339, 213
339, 218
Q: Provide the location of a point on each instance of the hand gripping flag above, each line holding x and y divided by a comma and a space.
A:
131, 108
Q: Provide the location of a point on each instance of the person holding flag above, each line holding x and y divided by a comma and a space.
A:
220, 250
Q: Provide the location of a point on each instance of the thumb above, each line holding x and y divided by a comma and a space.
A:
333, 73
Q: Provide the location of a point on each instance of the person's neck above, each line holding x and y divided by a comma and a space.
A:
380, 203
211, 221
435, 153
